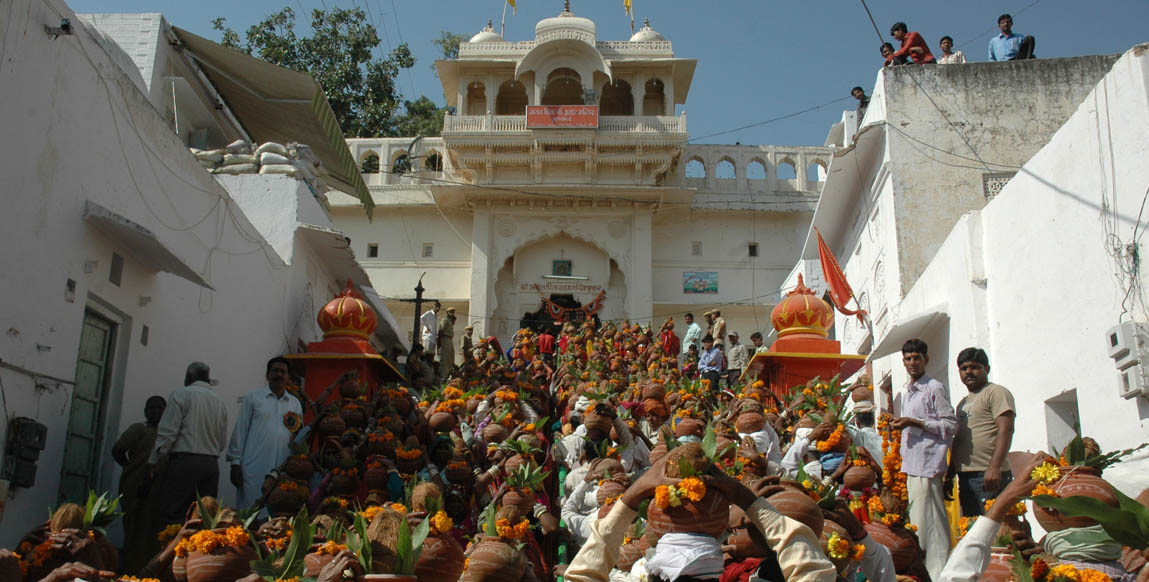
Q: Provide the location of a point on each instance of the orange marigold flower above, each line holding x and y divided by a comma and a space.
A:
693, 488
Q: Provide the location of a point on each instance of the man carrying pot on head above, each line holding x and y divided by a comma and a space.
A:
261, 439
984, 433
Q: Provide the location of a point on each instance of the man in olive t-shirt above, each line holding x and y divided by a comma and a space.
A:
985, 432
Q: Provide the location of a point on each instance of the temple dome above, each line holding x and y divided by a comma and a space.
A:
566, 25
802, 312
348, 315
647, 34
488, 34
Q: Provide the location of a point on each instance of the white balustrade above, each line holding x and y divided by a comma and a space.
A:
608, 123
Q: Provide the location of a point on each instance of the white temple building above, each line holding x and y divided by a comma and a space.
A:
601, 193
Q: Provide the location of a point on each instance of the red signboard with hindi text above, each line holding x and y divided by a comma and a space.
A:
579, 116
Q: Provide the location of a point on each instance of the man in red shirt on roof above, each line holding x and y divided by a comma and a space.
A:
913, 46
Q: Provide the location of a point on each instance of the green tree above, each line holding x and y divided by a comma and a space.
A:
359, 84
448, 42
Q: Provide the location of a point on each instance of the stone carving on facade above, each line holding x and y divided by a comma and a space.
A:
616, 228
506, 226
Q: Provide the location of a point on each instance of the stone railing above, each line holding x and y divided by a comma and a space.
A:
607, 48
518, 124
658, 47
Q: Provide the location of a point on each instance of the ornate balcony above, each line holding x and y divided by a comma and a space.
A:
504, 124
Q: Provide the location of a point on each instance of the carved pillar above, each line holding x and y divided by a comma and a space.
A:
491, 92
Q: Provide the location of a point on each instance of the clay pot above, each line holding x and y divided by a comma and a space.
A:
595, 421
387, 578
299, 468
494, 560
525, 502
180, 569
222, 564
459, 476
494, 433
658, 452
654, 390
861, 393
314, 563
376, 479
899, 541
629, 554
344, 485
608, 466
794, 503
108, 552
707, 516
1082, 481
441, 560
409, 466
402, 405
858, 478
749, 422
285, 503
442, 422
999, 569
689, 426
332, 426
512, 464
743, 545
353, 416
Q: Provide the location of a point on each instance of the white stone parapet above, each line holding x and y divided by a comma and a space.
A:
653, 124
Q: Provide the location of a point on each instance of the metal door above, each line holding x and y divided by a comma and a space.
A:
86, 421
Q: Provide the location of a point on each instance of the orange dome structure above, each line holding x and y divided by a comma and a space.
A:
803, 350
347, 322
802, 312
347, 315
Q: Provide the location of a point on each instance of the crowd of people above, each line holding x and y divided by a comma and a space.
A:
605, 452
1007, 45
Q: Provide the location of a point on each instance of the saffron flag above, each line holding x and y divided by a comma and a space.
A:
840, 291
514, 9
626, 5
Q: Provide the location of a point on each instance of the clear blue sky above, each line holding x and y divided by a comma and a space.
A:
758, 59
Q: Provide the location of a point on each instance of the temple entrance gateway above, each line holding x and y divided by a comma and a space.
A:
568, 272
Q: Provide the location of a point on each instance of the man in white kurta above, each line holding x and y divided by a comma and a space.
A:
429, 329
260, 441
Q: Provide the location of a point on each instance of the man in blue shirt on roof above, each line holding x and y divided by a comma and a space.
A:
1010, 46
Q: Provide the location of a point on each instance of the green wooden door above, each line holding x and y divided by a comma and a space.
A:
86, 421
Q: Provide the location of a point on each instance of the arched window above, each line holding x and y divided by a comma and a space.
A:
476, 99
756, 170
434, 162
695, 169
564, 87
617, 99
512, 99
370, 163
786, 169
725, 170
653, 102
401, 165
816, 171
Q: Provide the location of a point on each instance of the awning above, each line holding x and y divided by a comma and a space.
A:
140, 243
280, 105
907, 328
334, 252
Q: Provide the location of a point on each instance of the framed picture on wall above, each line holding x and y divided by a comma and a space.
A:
561, 268
700, 282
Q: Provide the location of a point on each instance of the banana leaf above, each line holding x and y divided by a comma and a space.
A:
1128, 523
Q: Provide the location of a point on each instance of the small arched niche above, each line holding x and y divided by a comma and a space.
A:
653, 102
476, 99
512, 99
617, 98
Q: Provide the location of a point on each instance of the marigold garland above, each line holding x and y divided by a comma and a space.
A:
370, 512
169, 533
689, 489
278, 544
837, 547
515, 532
440, 523
207, 541
1046, 473
1017, 509
330, 549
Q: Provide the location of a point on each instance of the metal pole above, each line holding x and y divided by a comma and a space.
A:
503, 24
418, 310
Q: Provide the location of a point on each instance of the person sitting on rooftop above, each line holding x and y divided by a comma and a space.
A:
913, 46
888, 54
1010, 46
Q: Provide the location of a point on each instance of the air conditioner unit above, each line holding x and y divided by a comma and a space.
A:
1132, 382
1127, 342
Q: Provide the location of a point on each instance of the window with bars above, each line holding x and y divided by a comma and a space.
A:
696, 249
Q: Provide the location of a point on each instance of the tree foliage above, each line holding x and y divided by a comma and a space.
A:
340, 54
448, 42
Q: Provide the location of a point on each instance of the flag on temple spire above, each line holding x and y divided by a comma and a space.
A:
840, 291
626, 6
514, 9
